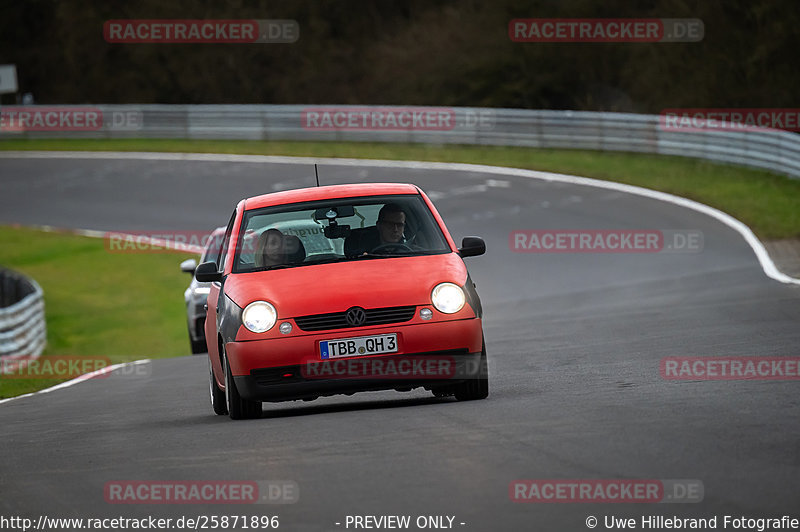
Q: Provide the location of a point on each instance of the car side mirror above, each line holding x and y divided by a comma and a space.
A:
207, 273
189, 266
472, 246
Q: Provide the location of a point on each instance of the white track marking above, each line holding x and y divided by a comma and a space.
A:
139, 239
81, 378
767, 265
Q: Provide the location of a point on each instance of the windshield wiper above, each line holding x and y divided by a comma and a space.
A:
384, 255
275, 267
324, 261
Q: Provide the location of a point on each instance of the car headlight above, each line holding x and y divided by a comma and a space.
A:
259, 316
202, 290
448, 298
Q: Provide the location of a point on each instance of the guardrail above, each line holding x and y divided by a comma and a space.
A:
23, 332
774, 150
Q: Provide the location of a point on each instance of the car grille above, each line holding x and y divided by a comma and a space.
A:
338, 320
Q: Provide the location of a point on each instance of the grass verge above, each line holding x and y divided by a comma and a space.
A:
110, 306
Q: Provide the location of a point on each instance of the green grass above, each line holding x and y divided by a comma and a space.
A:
768, 203
118, 306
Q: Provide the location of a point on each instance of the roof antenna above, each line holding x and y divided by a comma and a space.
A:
316, 173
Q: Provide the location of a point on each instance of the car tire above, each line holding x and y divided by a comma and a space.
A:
238, 408
197, 346
218, 402
478, 388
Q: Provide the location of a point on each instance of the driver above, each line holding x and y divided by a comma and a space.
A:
388, 229
391, 223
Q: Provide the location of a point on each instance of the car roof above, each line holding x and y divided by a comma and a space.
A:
328, 192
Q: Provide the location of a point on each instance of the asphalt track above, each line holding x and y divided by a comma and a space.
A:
575, 341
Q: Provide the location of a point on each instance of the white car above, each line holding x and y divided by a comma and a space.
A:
196, 294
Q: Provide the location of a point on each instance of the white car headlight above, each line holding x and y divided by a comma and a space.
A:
448, 298
259, 316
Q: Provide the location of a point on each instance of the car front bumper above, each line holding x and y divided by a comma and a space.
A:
434, 355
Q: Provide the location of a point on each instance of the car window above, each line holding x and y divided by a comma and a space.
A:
213, 247
221, 257
311, 235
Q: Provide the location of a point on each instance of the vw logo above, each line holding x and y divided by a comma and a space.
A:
355, 316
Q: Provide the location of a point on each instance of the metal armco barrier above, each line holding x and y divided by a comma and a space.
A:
23, 332
775, 150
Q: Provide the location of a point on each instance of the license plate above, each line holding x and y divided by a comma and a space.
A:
354, 347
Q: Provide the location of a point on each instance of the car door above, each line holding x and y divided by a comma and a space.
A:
212, 306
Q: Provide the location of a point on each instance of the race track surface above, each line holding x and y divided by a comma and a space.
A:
575, 342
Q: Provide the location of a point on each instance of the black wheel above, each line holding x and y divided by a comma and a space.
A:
238, 408
217, 396
477, 388
198, 346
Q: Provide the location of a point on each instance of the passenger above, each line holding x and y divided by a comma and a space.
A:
270, 249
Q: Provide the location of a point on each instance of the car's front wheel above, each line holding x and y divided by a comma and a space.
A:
218, 402
238, 407
477, 388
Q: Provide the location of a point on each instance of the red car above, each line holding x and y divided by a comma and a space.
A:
341, 289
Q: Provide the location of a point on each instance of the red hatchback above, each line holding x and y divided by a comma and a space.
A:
341, 289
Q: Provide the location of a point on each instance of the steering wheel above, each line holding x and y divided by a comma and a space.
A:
392, 247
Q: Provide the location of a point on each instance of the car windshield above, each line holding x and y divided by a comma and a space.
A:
337, 230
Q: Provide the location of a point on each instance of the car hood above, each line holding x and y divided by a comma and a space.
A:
367, 283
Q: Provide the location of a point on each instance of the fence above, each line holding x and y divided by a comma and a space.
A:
774, 150
22, 324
